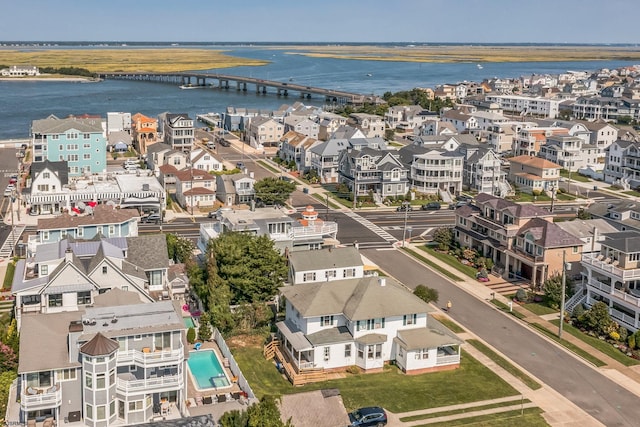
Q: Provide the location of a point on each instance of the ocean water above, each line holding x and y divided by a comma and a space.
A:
21, 102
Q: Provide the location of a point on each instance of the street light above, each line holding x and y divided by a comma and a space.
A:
553, 196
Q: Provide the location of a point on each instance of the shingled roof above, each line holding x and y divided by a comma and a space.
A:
99, 345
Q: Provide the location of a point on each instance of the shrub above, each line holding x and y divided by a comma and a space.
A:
536, 192
521, 295
204, 331
623, 334
353, 369
426, 294
578, 312
632, 341
191, 335
614, 335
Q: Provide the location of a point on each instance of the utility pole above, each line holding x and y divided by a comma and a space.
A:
326, 213
406, 213
553, 196
564, 281
13, 225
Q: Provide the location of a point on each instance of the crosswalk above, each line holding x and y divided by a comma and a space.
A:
371, 226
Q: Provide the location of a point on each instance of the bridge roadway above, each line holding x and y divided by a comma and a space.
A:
200, 80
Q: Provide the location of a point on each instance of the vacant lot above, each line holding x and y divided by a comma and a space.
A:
127, 60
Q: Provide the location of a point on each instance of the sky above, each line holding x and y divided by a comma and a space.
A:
414, 21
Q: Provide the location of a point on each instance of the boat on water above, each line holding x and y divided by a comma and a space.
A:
191, 87
369, 74
480, 67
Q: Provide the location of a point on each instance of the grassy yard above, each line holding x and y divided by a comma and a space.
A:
391, 388
598, 344
268, 166
516, 400
530, 417
633, 193
575, 349
453, 326
433, 265
575, 176
504, 307
452, 261
539, 308
8, 277
505, 364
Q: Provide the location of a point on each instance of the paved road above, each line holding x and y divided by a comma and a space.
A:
586, 387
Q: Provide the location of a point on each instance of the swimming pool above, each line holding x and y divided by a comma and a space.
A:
189, 322
206, 370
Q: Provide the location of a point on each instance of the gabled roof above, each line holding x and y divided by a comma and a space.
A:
148, 252
102, 215
548, 234
54, 125
326, 258
358, 299
536, 162
194, 175
60, 169
518, 210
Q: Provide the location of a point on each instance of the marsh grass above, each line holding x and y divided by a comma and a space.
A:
128, 60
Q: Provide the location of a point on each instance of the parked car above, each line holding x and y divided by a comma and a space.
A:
404, 208
431, 206
154, 217
224, 142
369, 416
240, 165
458, 204
13, 180
9, 190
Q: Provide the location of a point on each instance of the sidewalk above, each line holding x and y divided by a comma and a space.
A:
558, 410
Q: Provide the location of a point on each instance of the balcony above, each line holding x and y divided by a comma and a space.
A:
34, 399
151, 358
125, 384
610, 269
521, 253
327, 228
619, 295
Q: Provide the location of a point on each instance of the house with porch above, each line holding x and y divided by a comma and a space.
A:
365, 322
117, 361
177, 130
370, 172
235, 189
531, 174
294, 147
264, 132
195, 188
371, 125
521, 239
613, 277
144, 132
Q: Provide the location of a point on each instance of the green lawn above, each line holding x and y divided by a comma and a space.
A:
575, 349
391, 388
8, 276
530, 417
575, 176
323, 199
539, 308
452, 261
433, 265
465, 410
505, 364
453, 326
632, 193
504, 307
598, 344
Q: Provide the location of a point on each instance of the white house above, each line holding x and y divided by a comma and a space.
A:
325, 265
364, 322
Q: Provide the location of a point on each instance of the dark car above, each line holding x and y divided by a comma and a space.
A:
240, 165
369, 416
404, 208
458, 204
431, 206
224, 142
154, 217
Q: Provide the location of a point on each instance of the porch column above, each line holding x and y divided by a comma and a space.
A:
533, 275
506, 266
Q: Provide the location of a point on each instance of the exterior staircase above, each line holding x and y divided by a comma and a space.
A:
578, 298
12, 239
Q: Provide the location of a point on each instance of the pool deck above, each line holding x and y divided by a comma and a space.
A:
216, 409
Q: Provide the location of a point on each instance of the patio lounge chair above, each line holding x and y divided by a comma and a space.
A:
207, 400
222, 398
199, 400
236, 395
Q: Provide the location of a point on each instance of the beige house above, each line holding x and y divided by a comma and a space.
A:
195, 188
144, 132
264, 132
531, 174
329, 123
521, 239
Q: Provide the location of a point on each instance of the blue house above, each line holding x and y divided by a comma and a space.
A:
80, 142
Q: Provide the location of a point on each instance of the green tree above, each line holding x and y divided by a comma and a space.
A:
597, 319
553, 290
443, 236
273, 191
266, 414
426, 293
6, 378
204, 330
249, 265
583, 214
180, 249
234, 418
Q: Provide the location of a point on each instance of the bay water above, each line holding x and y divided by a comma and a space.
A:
21, 102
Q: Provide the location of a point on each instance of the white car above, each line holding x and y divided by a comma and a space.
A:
9, 190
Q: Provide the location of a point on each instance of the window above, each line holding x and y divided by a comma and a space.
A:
375, 323
347, 350
100, 415
309, 277
370, 350
86, 136
84, 297
135, 405
88, 381
72, 157
409, 319
112, 230
326, 321
80, 232
104, 269
155, 278
360, 352
86, 156
575, 249
55, 300
88, 411
378, 351
327, 353
112, 408
44, 270
137, 337
46, 175
422, 354
330, 274
349, 272
100, 381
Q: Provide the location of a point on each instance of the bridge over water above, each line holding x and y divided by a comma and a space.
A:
240, 83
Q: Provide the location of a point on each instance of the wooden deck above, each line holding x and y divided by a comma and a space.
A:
297, 377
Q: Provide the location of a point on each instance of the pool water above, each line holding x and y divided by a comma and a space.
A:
189, 322
206, 370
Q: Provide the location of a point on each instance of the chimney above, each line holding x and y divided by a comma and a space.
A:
251, 175
68, 255
594, 238
382, 281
